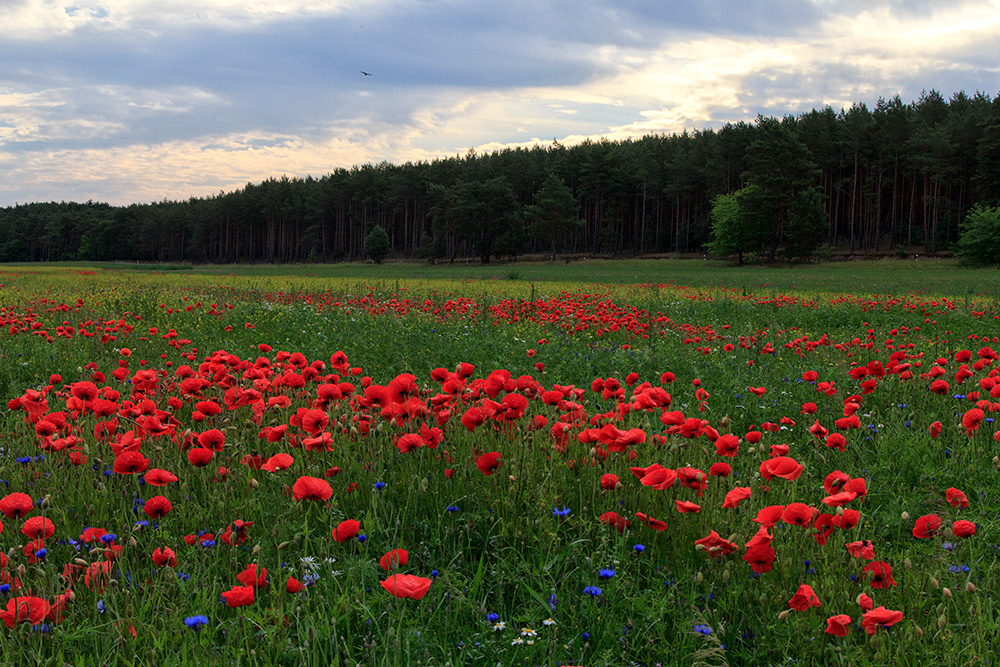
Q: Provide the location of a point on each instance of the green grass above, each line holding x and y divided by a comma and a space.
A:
503, 550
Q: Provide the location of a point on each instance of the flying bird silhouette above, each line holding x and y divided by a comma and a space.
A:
365, 73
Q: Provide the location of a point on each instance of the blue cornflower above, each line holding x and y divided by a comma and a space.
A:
4, 588
593, 591
606, 573
362, 538
492, 617
552, 602
379, 486
586, 636
183, 577
195, 622
703, 629
452, 508
108, 538
101, 607
561, 512
41, 553
23, 459
434, 574
207, 543
639, 548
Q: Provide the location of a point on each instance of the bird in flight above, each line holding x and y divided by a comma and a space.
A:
365, 73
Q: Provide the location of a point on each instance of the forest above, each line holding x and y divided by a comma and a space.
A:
899, 177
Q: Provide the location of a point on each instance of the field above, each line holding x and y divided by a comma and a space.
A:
586, 463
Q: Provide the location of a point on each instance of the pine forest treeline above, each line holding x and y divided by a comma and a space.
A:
899, 176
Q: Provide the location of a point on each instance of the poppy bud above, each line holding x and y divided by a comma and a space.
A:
21, 569
970, 587
996, 460
698, 578
46, 502
81, 562
783, 615
942, 621
512, 478
132, 542
70, 595
905, 516
940, 608
947, 592
752, 450
282, 546
918, 631
822, 459
934, 583
763, 599
907, 564
256, 549
254, 483
725, 575
699, 547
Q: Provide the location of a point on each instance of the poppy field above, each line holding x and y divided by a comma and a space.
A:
264, 469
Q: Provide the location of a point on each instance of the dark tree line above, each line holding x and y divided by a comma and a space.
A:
896, 176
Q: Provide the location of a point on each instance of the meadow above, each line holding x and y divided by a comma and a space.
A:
584, 463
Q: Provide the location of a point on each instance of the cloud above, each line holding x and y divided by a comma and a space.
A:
135, 100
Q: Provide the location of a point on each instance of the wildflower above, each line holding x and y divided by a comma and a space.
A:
407, 586
549, 622
639, 548
593, 591
838, 625
605, 573
703, 629
528, 632
516, 641
195, 622
561, 512
880, 616
451, 508
379, 486
498, 626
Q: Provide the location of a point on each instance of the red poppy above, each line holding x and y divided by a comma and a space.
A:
881, 573
838, 499
715, 545
25, 609
199, 456
38, 527
408, 442
157, 507
720, 469
865, 602
935, 429
253, 576
880, 616
686, 507
345, 530
655, 524
835, 481
239, 596
861, 549
130, 461
798, 514
971, 420
407, 586
781, 466
727, 445
818, 431
659, 477
956, 498
612, 519
836, 441
394, 559
293, 585
963, 528
736, 496
609, 481
926, 526
488, 463
98, 575
164, 557
280, 461
838, 625
760, 557
311, 488
213, 439
769, 516
804, 598
15, 505
159, 477
849, 519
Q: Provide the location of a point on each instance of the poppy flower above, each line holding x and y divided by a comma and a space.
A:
253, 576
407, 586
849, 519
956, 498
804, 598
213, 439
311, 488
727, 445
98, 575
157, 507
760, 557
159, 477
716, 545
818, 431
164, 557
881, 573
781, 466
736, 496
935, 429
880, 616
280, 461
293, 585
25, 609
199, 456
797, 514
609, 481
963, 528
836, 441
408, 442
861, 549
345, 530
655, 524
239, 596
686, 507
971, 420
16, 505
865, 602
769, 516
838, 499
926, 526
394, 559
720, 469
38, 527
612, 519
131, 461
658, 477
838, 625
488, 463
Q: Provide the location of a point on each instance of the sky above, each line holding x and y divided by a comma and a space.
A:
133, 101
